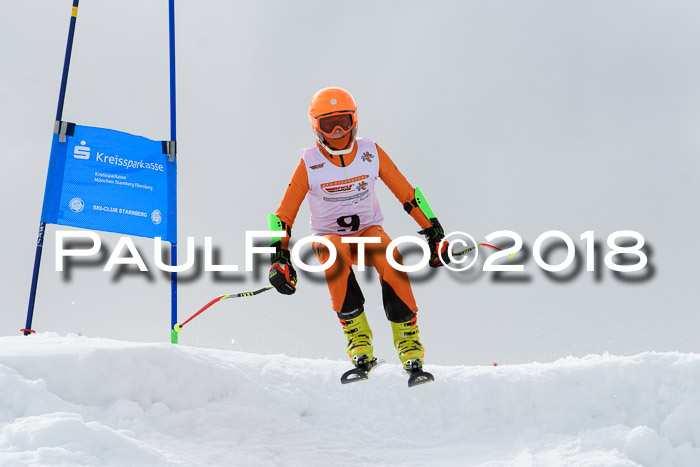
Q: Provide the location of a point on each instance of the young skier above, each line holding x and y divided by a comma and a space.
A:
338, 174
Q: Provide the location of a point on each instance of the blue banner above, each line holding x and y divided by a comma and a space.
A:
107, 180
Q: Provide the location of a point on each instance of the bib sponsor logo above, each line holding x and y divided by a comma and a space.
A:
317, 166
345, 186
367, 156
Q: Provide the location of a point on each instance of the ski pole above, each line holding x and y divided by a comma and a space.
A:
178, 327
461, 253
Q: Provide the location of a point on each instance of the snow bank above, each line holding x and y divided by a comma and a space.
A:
83, 401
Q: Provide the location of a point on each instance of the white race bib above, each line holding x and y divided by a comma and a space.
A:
342, 199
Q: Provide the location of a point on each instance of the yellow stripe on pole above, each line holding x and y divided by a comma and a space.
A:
74, 12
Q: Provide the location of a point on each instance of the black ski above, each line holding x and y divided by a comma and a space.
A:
418, 377
361, 372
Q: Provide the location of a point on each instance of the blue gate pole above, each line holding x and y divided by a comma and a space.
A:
42, 225
173, 137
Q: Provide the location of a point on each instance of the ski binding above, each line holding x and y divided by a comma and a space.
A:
361, 371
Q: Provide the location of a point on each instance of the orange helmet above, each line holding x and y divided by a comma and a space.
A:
338, 104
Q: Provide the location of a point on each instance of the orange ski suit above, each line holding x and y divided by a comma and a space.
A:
346, 296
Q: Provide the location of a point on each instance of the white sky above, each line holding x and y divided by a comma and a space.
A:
525, 116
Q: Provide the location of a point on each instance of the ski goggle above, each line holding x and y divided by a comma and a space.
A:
330, 123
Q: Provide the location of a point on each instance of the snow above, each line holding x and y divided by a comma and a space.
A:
74, 400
